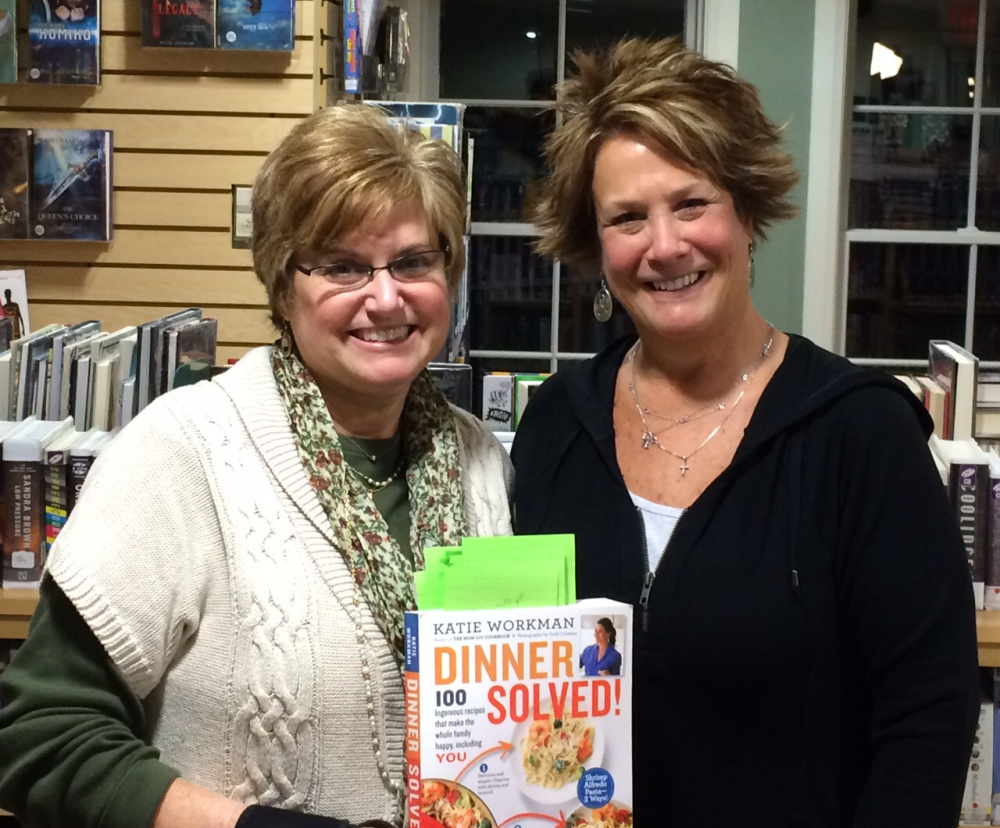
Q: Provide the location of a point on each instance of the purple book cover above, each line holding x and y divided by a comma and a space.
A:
969, 487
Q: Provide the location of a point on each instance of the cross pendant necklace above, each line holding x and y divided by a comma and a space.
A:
683, 466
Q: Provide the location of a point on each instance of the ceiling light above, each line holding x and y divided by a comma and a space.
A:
885, 62
531, 35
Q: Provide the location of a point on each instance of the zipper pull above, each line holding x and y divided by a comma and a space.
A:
647, 584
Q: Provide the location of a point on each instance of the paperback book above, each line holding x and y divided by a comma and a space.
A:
23, 510
179, 23
65, 42
15, 174
8, 42
71, 185
256, 25
508, 722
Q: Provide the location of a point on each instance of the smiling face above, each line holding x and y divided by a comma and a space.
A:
601, 635
368, 344
674, 250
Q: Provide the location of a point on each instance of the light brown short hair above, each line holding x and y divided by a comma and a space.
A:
700, 112
337, 169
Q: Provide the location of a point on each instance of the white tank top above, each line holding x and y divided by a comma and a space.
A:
659, 522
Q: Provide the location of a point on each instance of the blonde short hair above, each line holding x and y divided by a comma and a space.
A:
700, 112
338, 169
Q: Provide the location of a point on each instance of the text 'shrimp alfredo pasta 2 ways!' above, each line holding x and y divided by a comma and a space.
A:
520, 717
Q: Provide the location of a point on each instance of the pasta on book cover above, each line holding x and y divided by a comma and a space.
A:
516, 716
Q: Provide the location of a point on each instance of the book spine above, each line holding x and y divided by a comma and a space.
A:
79, 467
352, 48
992, 597
970, 496
23, 556
411, 687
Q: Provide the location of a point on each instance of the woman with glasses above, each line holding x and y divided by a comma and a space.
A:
219, 639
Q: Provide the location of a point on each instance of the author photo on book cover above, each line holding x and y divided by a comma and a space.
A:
602, 658
219, 637
805, 631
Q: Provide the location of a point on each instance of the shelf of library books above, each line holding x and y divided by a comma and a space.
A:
16, 606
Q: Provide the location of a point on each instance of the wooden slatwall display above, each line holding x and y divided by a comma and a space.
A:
188, 124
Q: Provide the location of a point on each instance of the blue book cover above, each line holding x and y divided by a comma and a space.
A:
186, 23
352, 47
65, 42
257, 25
71, 185
8, 41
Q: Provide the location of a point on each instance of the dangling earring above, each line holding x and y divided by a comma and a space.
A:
285, 344
602, 302
753, 269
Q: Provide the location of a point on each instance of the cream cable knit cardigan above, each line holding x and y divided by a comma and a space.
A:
203, 561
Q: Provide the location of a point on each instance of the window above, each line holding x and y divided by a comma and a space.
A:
502, 58
923, 211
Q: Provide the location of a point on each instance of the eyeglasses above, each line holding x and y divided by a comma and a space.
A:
413, 267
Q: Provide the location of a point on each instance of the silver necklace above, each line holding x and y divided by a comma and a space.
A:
649, 438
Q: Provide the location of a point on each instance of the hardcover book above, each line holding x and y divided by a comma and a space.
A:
968, 482
957, 370
179, 23
257, 25
65, 41
8, 42
15, 174
71, 185
506, 722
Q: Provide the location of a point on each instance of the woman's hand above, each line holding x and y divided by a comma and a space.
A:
604, 672
190, 806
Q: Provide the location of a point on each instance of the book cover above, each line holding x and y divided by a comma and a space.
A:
957, 370
193, 353
71, 185
8, 42
498, 402
257, 25
64, 37
504, 726
146, 350
15, 175
179, 23
442, 121
14, 302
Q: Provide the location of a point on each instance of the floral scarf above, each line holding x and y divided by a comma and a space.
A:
430, 448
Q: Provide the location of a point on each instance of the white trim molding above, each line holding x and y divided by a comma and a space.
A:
824, 279
720, 30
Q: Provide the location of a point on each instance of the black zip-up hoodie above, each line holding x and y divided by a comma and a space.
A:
807, 655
